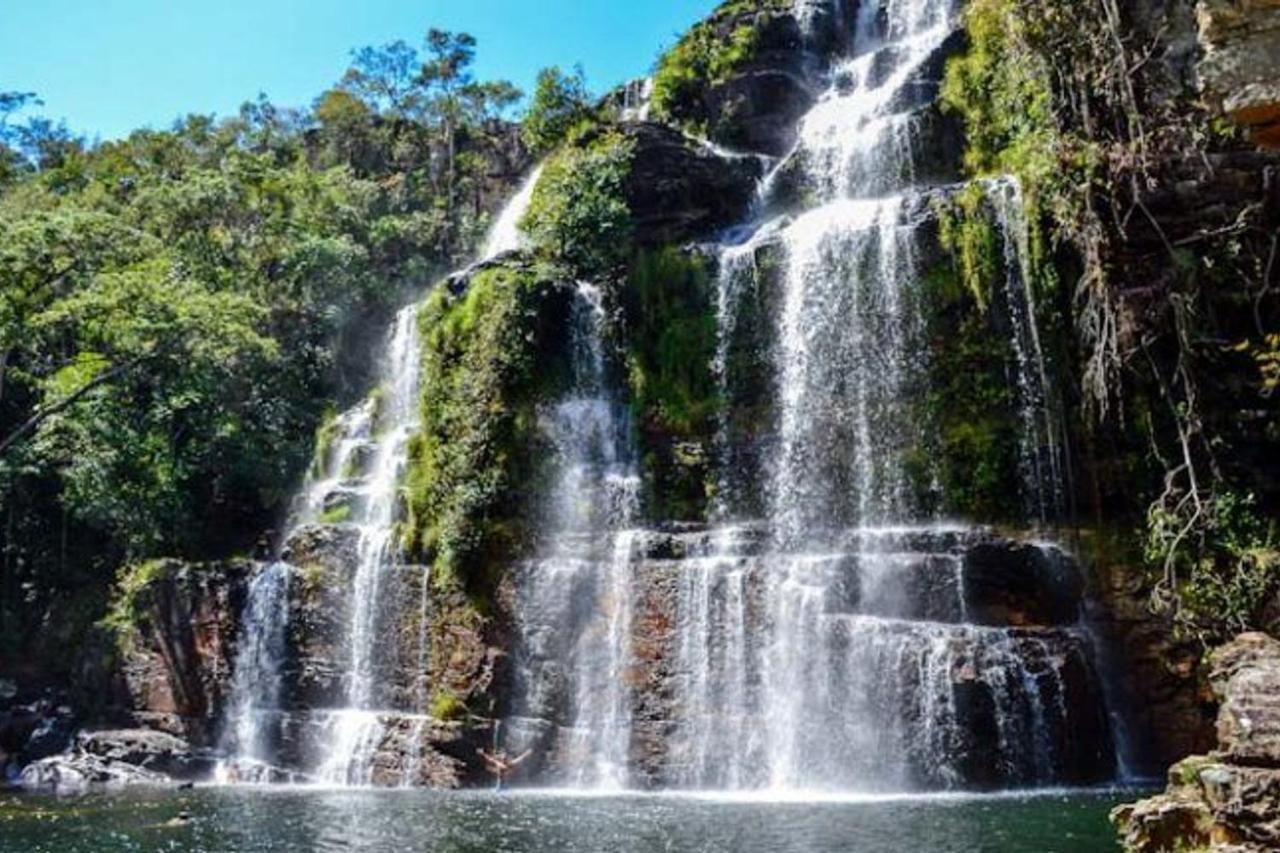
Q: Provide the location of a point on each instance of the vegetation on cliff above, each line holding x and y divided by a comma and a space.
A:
578, 214
491, 354
706, 56
1171, 308
669, 303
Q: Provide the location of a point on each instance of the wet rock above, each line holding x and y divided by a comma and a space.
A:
1163, 692
77, 774
1011, 583
757, 108
171, 668
52, 735
145, 749
404, 750
335, 547
679, 189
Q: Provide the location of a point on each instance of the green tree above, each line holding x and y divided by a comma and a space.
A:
560, 103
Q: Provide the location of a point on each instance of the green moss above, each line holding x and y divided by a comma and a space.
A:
672, 319
1187, 771
670, 312
128, 608
448, 707
314, 577
335, 515
967, 233
490, 356
1002, 88
970, 407
326, 434
578, 214
1228, 575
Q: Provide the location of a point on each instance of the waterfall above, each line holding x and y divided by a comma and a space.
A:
835, 645
637, 97
254, 708
374, 503
505, 234
578, 588
355, 482
1041, 456
825, 630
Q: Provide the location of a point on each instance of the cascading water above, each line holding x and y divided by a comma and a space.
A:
832, 646
1041, 451
581, 582
355, 482
372, 502
505, 235
254, 714
828, 632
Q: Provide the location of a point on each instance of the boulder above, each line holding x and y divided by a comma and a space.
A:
333, 546
757, 107
146, 749
78, 774
113, 758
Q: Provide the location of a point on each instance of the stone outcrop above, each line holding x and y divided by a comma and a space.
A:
117, 757
757, 108
1166, 702
1240, 67
679, 189
166, 680
35, 723
170, 667
1228, 800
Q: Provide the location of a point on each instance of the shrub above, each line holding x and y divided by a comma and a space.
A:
490, 355
578, 214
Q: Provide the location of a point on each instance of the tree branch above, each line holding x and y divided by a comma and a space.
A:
44, 413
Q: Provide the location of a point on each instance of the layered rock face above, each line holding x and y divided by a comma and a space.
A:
983, 676
1240, 69
170, 668
1228, 800
171, 679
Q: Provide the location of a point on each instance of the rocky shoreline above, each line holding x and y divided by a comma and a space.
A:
1227, 801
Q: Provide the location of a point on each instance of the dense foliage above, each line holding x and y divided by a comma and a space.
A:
704, 57
669, 305
578, 214
178, 309
490, 355
559, 108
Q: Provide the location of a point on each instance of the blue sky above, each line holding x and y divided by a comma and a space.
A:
110, 66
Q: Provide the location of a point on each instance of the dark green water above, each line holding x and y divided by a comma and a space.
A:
349, 821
